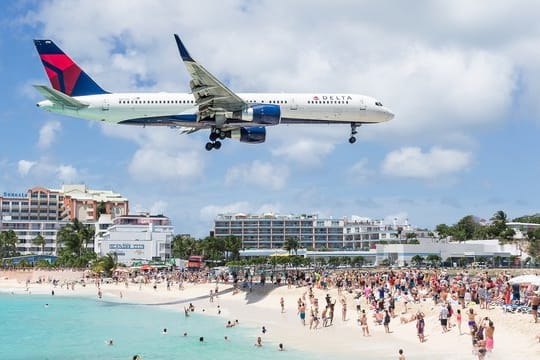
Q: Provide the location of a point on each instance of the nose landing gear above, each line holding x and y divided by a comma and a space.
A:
352, 139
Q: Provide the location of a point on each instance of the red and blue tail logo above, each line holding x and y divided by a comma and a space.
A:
64, 74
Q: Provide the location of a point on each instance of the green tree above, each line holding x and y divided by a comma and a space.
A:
39, 241
101, 209
75, 237
498, 224
357, 261
410, 237
417, 260
183, 246
443, 231
233, 245
213, 247
466, 227
531, 219
8, 243
106, 264
291, 244
433, 259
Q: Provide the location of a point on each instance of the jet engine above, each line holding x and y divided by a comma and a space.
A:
252, 135
264, 114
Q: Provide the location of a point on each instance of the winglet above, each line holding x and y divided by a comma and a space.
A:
183, 51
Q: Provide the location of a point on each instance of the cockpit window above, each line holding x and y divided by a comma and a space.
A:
378, 103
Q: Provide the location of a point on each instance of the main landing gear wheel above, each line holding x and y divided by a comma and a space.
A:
352, 139
213, 145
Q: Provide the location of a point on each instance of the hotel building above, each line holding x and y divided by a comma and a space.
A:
136, 237
45, 211
270, 231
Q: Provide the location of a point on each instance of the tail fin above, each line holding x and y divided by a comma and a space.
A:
64, 74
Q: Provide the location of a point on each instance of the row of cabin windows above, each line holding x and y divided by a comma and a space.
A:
249, 101
269, 102
187, 101
156, 101
328, 102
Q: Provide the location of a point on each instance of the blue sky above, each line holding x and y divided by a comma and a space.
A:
462, 78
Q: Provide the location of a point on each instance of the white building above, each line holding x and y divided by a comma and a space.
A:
402, 254
135, 238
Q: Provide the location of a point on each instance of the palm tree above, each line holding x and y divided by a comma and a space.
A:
75, 237
291, 244
106, 264
417, 260
411, 238
183, 246
8, 243
233, 245
499, 220
433, 259
39, 240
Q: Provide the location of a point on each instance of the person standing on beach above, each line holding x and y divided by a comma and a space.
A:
364, 324
211, 296
458, 320
386, 321
282, 303
472, 321
420, 326
443, 317
401, 355
490, 329
535, 301
343, 309
302, 313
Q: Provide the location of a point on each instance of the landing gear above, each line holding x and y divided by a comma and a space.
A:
214, 143
352, 139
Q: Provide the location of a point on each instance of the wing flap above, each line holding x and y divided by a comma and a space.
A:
210, 94
59, 98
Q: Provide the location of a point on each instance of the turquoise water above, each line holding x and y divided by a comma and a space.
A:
75, 328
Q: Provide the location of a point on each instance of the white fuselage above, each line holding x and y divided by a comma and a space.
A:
180, 109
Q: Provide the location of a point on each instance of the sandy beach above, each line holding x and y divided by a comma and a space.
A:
514, 333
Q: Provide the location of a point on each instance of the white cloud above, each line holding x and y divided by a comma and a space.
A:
258, 173
359, 172
209, 212
150, 164
159, 207
47, 133
67, 174
24, 167
45, 171
411, 162
307, 152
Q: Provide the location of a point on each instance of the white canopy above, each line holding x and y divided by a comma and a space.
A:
526, 279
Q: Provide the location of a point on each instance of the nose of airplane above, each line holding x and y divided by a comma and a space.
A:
385, 114
388, 114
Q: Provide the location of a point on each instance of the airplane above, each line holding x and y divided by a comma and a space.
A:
210, 105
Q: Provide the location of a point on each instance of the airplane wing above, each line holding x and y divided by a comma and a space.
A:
59, 98
211, 95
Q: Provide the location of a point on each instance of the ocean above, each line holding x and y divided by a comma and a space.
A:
56, 327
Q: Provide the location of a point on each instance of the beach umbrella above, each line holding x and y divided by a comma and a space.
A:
526, 279
146, 267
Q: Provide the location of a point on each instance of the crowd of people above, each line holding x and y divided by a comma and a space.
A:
379, 296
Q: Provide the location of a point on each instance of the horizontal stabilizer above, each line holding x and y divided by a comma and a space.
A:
59, 98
